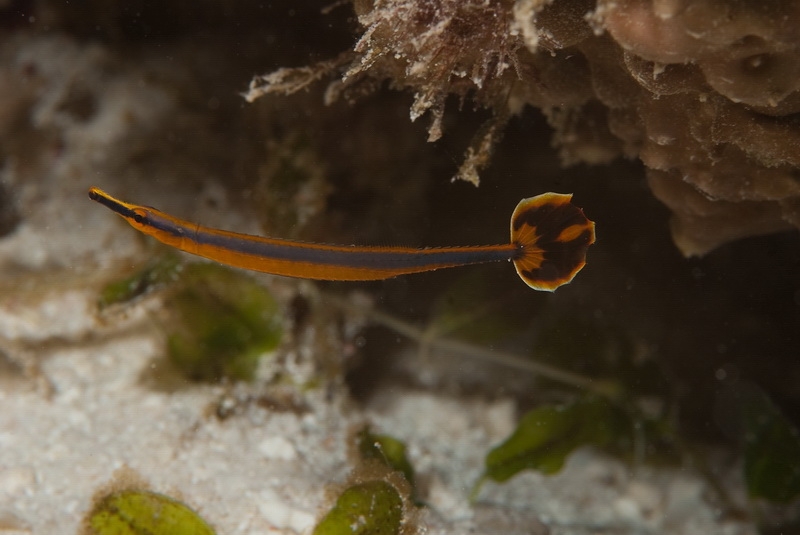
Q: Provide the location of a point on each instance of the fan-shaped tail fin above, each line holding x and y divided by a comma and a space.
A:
552, 235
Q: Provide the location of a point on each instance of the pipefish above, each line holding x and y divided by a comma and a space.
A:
549, 240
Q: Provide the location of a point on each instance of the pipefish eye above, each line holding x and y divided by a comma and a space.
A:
139, 216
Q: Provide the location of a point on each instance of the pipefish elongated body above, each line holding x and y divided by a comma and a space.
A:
549, 240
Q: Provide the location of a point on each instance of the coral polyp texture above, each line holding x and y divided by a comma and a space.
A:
706, 93
714, 117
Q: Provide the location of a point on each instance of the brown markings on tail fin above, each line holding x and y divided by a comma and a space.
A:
552, 235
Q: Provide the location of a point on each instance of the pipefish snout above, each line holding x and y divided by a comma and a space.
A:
549, 240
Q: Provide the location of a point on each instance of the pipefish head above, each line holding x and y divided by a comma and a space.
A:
137, 216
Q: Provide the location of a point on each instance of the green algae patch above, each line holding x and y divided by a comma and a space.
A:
371, 508
221, 323
547, 435
159, 272
136, 512
771, 448
387, 450
218, 322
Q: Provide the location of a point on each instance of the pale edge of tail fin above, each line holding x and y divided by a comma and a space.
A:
553, 236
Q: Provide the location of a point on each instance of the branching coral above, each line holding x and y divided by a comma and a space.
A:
706, 93
435, 48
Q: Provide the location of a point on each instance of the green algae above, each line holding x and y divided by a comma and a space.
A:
387, 450
371, 508
223, 323
771, 448
218, 322
547, 435
136, 512
159, 272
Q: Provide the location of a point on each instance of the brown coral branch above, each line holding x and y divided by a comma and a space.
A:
286, 81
